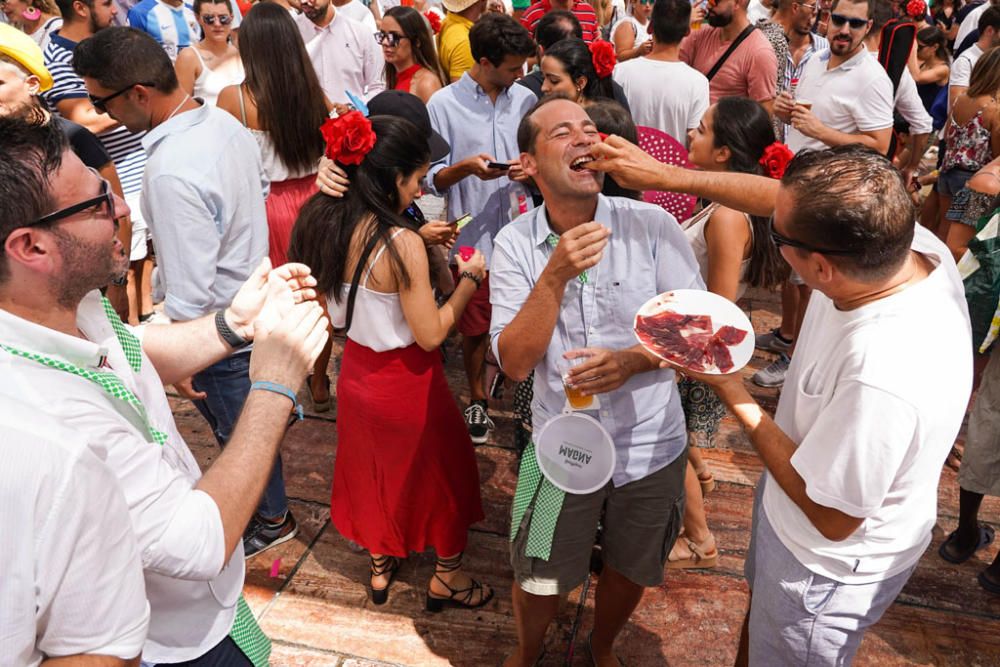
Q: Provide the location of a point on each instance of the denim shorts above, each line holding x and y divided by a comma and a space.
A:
952, 181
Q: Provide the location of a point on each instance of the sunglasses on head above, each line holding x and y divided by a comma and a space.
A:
223, 19
780, 240
105, 199
856, 24
646, 2
389, 38
100, 103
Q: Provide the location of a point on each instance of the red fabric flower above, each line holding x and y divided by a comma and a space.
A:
775, 159
434, 20
916, 8
602, 54
348, 137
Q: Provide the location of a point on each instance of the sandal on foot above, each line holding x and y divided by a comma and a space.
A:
706, 479
700, 558
460, 597
987, 583
985, 539
380, 566
590, 649
320, 406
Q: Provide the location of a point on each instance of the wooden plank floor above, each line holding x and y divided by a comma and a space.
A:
310, 595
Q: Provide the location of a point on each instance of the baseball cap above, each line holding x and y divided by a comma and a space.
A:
23, 49
406, 105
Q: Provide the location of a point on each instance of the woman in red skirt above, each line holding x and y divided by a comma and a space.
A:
405, 476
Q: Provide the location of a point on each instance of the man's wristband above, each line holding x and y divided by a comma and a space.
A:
232, 338
278, 388
468, 274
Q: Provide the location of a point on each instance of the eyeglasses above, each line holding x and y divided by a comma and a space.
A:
780, 240
646, 2
106, 198
100, 103
389, 38
223, 19
856, 24
811, 8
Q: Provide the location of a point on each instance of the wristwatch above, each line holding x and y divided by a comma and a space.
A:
232, 338
468, 274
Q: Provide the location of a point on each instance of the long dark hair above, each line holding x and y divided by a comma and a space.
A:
612, 118
417, 30
933, 36
283, 84
575, 56
744, 127
321, 238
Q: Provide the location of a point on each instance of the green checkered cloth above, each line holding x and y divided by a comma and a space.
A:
553, 241
249, 637
548, 505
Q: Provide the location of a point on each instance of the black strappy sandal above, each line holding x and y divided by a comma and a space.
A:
461, 598
380, 566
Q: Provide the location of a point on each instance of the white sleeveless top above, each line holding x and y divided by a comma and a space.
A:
694, 229
274, 167
378, 321
640, 30
210, 82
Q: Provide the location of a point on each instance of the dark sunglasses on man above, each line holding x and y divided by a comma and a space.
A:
839, 20
389, 39
106, 199
224, 19
780, 240
100, 103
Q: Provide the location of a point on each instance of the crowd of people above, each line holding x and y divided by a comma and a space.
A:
203, 196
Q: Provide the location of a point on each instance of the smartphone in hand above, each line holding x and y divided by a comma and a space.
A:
498, 165
462, 221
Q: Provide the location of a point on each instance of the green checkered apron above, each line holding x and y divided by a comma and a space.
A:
245, 632
553, 241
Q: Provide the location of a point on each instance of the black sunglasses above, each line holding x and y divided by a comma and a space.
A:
389, 38
856, 24
106, 198
100, 103
780, 240
223, 19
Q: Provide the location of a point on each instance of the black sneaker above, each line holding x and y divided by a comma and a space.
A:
261, 535
479, 422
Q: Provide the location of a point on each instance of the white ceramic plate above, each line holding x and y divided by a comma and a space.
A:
702, 302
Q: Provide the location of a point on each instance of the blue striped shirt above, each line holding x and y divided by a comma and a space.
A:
124, 147
175, 28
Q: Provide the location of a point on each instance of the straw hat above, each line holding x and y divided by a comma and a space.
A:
458, 5
21, 48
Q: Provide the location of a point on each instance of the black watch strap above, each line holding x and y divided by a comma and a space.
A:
470, 276
231, 337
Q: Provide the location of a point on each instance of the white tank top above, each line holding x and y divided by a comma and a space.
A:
640, 30
210, 82
694, 229
378, 321
274, 167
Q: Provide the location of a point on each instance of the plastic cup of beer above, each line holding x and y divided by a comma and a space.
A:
805, 103
577, 400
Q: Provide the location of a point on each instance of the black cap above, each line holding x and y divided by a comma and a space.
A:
405, 105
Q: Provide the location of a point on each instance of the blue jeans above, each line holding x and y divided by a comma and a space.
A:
227, 384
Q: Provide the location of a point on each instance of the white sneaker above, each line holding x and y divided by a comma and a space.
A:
773, 375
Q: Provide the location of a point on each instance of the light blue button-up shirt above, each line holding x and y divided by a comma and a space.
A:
647, 254
471, 123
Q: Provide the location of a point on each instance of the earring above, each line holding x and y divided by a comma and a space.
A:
31, 14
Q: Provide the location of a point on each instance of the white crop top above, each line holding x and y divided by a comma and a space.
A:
378, 321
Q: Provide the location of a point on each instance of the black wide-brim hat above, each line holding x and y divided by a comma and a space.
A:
405, 105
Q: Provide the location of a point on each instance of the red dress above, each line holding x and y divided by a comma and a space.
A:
404, 79
282, 205
405, 476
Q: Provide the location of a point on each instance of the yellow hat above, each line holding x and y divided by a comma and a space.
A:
20, 47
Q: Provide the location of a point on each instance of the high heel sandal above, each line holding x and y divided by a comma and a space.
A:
380, 566
705, 478
461, 598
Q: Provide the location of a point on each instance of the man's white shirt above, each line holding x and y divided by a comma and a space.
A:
345, 56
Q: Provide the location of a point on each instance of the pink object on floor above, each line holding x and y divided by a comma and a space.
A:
275, 567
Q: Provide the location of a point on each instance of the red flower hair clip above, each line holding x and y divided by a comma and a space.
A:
434, 20
775, 159
348, 138
916, 8
602, 54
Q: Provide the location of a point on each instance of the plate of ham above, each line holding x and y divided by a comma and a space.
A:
697, 330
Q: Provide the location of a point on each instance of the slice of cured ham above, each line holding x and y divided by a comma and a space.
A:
689, 340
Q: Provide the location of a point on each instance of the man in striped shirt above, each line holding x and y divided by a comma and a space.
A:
583, 12
170, 22
68, 97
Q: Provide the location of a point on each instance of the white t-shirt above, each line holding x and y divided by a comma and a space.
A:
874, 397
961, 69
668, 96
72, 580
970, 23
357, 11
854, 97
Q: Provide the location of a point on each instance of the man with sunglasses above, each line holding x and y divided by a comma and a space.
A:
873, 400
65, 353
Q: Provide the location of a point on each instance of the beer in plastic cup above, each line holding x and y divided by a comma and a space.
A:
574, 395
805, 103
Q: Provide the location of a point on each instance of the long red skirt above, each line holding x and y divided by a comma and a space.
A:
405, 476
282, 205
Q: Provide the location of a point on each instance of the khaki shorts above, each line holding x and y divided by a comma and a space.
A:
641, 522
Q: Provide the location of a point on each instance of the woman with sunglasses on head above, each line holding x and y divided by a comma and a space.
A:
36, 18
411, 61
630, 34
734, 251
213, 63
405, 477
930, 65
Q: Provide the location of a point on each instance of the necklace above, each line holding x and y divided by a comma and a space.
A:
178, 107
